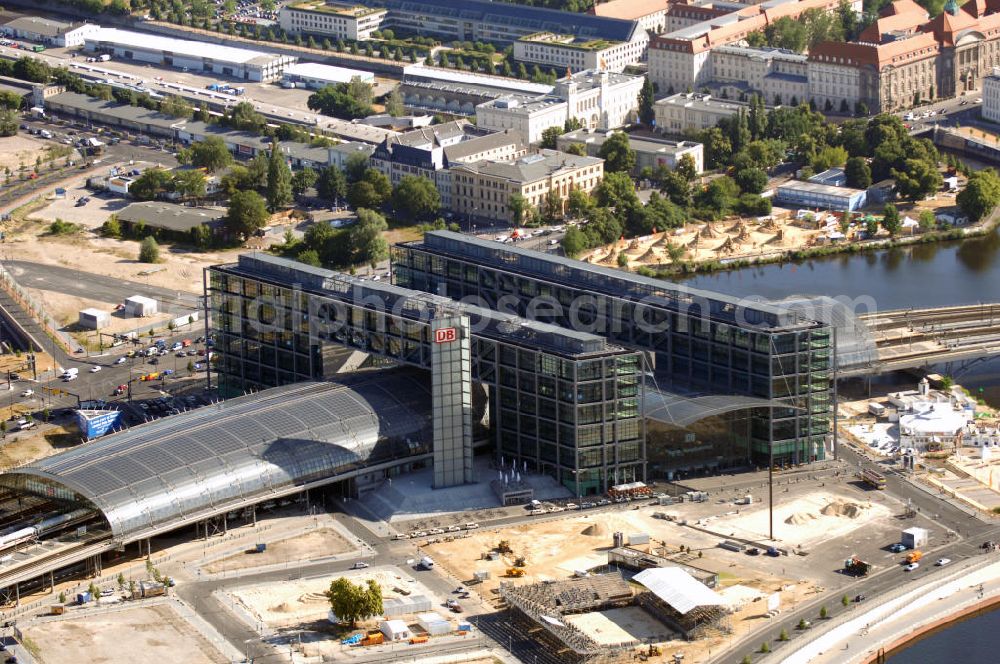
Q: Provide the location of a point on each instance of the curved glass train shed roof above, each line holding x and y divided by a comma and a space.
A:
202, 462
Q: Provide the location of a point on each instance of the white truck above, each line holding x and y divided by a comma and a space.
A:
426, 563
70, 374
104, 57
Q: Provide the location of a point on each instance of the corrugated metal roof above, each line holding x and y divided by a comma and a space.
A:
203, 460
677, 588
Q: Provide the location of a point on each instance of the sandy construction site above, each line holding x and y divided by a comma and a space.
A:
315, 544
805, 521
145, 634
287, 603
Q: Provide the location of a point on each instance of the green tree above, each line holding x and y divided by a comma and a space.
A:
367, 245
871, 227
981, 194
845, 600
765, 647
309, 257
344, 100
917, 179
784, 635
177, 107
210, 154
617, 191
890, 220
247, 213
824, 612
519, 207
372, 191
303, 180
9, 122
352, 602
279, 179
394, 103
112, 227
829, 157
617, 153
150, 184
189, 183
416, 198
646, 98
549, 136
331, 184
751, 180
574, 242
858, 173
927, 220
579, 149
244, 117
355, 166
149, 250
578, 203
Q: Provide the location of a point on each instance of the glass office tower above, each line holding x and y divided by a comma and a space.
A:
700, 343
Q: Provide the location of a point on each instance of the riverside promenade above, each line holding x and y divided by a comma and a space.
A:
889, 623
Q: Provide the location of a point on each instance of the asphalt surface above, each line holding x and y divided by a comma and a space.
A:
95, 286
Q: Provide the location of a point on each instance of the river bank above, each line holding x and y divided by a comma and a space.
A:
983, 608
897, 620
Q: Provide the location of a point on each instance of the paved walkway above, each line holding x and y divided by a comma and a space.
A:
901, 617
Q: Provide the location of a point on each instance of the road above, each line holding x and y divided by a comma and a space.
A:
972, 530
97, 287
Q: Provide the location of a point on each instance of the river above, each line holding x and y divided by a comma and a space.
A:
975, 641
926, 275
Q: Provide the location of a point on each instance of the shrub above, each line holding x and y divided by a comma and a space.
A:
60, 227
149, 250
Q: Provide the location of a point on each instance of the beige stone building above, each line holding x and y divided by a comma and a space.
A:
483, 190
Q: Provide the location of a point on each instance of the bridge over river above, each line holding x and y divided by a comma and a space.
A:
911, 338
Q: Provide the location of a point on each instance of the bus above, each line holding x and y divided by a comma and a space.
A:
872, 478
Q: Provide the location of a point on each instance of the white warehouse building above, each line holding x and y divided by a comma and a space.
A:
197, 56
315, 76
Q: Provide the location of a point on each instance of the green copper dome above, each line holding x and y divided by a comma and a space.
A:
951, 7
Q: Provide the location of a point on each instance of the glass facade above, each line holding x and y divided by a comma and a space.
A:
700, 342
567, 404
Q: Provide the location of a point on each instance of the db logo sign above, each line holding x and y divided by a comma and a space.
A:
445, 335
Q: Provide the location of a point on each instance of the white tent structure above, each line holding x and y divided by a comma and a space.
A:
394, 630
677, 588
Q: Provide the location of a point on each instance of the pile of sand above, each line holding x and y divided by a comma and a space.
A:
843, 508
800, 518
285, 607
595, 530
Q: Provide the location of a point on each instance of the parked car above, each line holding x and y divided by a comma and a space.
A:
897, 548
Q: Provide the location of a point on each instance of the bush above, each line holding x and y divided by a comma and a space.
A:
823, 612
60, 227
845, 600
784, 635
149, 250
765, 647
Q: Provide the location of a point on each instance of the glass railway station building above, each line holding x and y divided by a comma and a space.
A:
592, 375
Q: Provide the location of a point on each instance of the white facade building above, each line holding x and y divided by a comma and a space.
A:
196, 56
48, 31
691, 110
598, 99
991, 96
562, 51
338, 21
